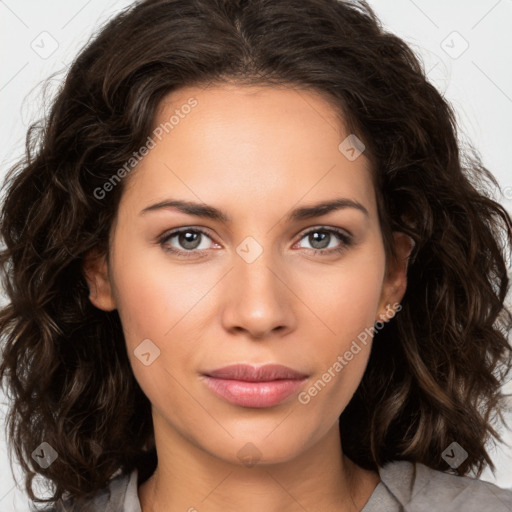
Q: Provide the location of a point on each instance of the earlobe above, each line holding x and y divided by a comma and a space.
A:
395, 282
95, 270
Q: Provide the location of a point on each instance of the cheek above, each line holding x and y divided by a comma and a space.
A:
162, 303
154, 297
349, 308
358, 302
347, 300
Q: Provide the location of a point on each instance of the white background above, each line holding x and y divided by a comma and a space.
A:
465, 46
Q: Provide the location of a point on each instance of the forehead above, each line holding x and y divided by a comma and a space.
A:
270, 145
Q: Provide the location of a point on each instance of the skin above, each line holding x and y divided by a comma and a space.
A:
255, 153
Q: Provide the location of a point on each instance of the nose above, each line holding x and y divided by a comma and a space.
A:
259, 302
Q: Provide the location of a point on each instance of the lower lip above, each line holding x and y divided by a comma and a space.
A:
254, 394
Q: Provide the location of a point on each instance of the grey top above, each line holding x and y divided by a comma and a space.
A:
404, 487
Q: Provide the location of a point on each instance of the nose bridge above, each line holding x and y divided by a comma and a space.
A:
256, 267
260, 301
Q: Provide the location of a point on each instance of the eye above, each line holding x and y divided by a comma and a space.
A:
321, 238
188, 240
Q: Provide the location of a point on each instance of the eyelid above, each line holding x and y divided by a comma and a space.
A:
323, 227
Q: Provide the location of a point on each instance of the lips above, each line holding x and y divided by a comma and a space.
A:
265, 373
247, 386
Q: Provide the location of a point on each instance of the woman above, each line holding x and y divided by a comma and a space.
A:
249, 268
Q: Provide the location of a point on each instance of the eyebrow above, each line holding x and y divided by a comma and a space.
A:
301, 213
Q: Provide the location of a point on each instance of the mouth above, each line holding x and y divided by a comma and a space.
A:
247, 386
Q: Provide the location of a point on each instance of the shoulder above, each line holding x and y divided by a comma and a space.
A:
119, 496
424, 489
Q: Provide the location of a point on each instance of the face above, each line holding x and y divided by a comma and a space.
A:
264, 280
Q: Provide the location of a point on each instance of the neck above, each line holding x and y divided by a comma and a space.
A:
319, 478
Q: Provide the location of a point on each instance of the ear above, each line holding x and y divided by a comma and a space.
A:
95, 270
395, 280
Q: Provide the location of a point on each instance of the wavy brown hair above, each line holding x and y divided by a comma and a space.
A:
435, 371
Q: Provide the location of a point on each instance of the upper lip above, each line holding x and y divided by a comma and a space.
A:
267, 372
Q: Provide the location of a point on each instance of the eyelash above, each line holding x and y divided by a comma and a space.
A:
341, 235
